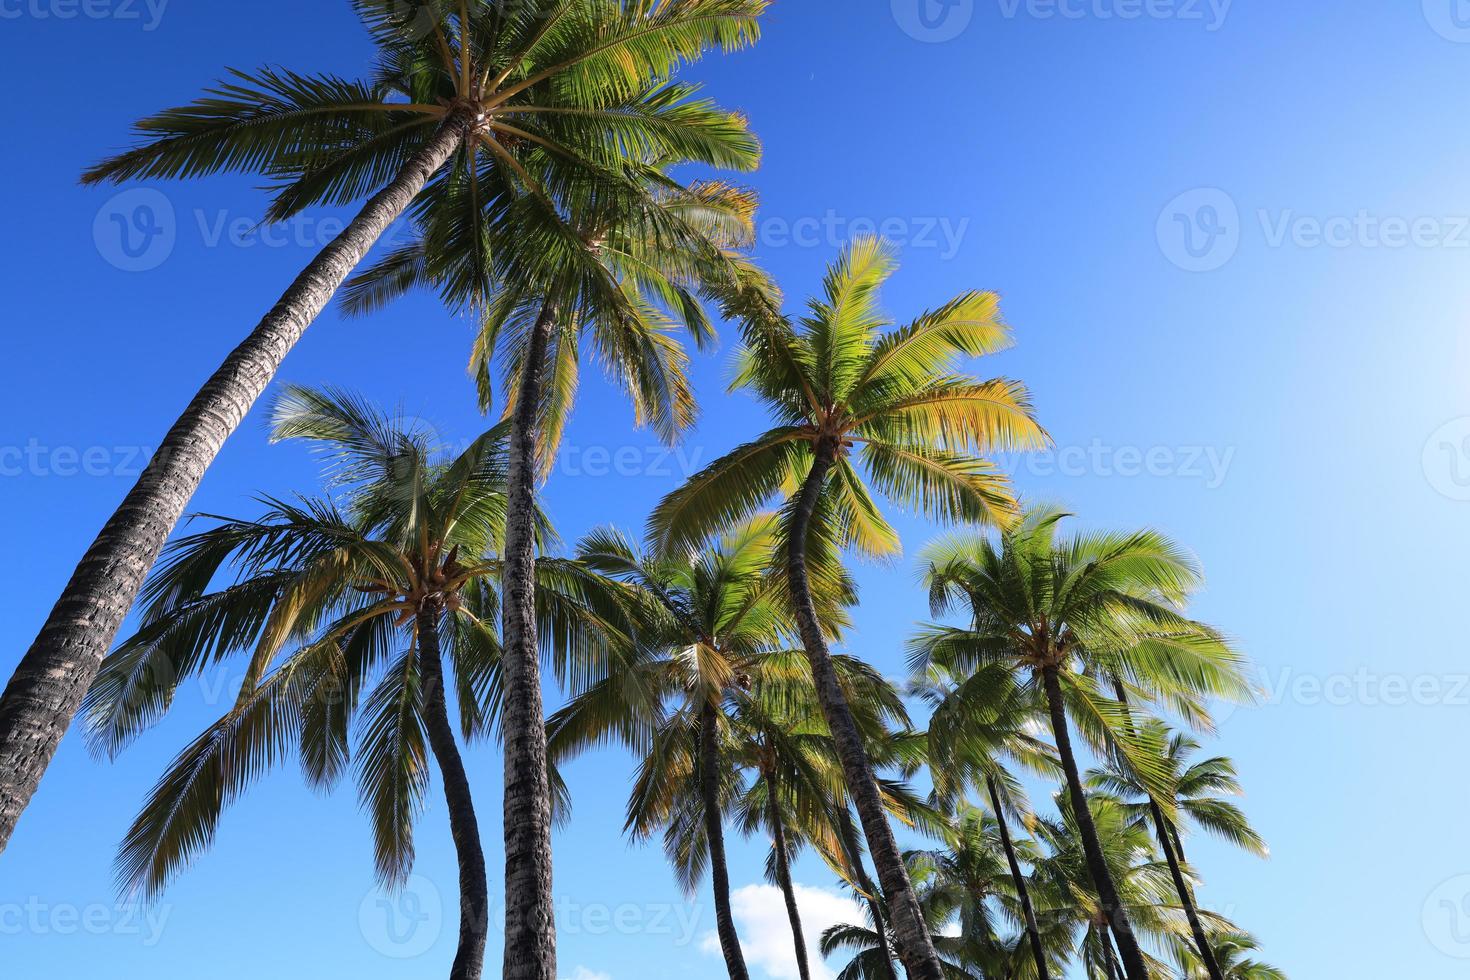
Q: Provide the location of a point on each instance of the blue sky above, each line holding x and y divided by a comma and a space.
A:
1233, 239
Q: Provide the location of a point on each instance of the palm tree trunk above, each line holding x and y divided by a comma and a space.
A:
53, 676
530, 921
474, 893
1109, 961
783, 878
714, 832
1033, 933
1186, 895
915, 946
1134, 965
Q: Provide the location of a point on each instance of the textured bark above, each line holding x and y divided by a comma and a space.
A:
1033, 933
53, 676
474, 893
530, 920
915, 946
714, 833
1134, 964
783, 878
1186, 895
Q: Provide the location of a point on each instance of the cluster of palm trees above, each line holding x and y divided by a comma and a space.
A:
407, 611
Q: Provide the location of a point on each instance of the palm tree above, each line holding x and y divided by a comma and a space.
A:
1196, 793
555, 88
838, 380
708, 622
976, 720
410, 553
1232, 950
1063, 876
616, 265
1064, 612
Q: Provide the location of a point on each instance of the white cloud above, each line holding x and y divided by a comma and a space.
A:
582, 973
765, 931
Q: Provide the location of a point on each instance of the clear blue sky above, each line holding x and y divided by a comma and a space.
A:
1280, 390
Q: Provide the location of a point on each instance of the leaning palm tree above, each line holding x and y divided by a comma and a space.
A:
1061, 613
838, 381
408, 555
1196, 793
521, 96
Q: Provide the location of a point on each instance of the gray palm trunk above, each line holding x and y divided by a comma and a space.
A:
714, 833
783, 878
1028, 913
464, 827
530, 921
48, 686
1134, 964
915, 945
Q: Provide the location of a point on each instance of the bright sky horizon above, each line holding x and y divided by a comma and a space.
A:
1232, 237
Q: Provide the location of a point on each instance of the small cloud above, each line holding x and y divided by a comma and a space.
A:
582, 973
765, 931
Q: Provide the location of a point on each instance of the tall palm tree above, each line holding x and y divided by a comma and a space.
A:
523, 96
615, 265
709, 621
1064, 612
1196, 792
409, 554
839, 380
